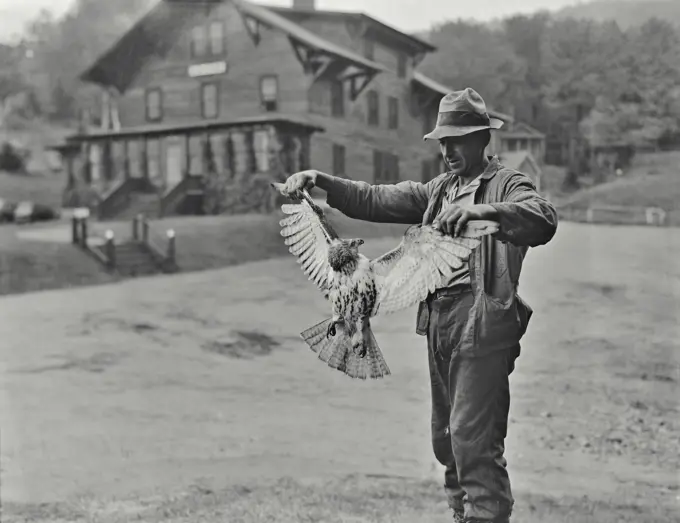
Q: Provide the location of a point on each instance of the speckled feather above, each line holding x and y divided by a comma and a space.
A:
359, 288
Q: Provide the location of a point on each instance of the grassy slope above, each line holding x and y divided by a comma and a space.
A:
145, 404
652, 181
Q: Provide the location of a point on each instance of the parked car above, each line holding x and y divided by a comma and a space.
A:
27, 212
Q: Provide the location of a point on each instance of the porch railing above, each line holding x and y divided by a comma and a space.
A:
116, 199
174, 196
160, 246
105, 254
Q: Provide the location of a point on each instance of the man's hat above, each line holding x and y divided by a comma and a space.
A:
460, 113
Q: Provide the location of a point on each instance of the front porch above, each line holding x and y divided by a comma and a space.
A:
216, 167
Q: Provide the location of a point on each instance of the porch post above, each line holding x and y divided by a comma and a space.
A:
187, 155
126, 159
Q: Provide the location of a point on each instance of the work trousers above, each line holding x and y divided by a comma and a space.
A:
470, 404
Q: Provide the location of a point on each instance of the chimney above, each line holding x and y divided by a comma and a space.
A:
304, 5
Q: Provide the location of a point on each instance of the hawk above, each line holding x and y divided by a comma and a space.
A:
359, 288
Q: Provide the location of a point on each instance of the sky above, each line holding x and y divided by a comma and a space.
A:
407, 15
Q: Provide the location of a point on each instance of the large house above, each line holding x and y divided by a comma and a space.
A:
231, 94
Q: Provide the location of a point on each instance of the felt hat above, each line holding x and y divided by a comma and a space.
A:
460, 113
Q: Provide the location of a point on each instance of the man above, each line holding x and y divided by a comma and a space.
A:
474, 324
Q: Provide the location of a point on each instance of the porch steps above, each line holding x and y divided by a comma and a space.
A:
147, 204
134, 259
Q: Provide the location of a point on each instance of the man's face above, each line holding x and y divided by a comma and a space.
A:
462, 153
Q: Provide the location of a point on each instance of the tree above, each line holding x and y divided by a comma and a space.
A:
472, 55
526, 35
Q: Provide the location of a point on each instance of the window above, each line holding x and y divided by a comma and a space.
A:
401, 65
153, 159
338, 159
195, 155
208, 39
261, 146
373, 108
369, 49
134, 158
430, 169
337, 98
199, 41
429, 121
95, 162
209, 100
269, 92
425, 171
385, 167
216, 33
393, 106
239, 151
154, 105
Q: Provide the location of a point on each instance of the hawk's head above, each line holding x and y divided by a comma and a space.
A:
344, 253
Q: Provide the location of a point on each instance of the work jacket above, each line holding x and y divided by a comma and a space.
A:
498, 317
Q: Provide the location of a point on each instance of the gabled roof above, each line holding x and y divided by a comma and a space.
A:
522, 130
158, 30
271, 18
413, 41
515, 160
427, 82
154, 33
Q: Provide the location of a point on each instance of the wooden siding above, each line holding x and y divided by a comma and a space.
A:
353, 131
239, 94
239, 87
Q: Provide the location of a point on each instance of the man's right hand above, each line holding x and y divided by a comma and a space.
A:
297, 182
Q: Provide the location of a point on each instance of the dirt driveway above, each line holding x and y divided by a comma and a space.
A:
151, 387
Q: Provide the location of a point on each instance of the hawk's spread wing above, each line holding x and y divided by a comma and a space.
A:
308, 235
422, 262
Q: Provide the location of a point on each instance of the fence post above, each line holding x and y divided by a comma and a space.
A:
135, 228
83, 232
110, 250
74, 230
171, 246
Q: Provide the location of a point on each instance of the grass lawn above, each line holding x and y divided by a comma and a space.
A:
190, 398
202, 243
27, 266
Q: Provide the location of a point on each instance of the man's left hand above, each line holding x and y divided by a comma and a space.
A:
453, 220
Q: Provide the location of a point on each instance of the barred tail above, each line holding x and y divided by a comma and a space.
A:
338, 353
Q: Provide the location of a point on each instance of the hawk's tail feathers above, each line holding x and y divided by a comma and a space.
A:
337, 352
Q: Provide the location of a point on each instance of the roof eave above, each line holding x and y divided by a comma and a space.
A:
422, 45
415, 41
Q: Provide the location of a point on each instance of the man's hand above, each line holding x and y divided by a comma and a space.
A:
299, 181
453, 220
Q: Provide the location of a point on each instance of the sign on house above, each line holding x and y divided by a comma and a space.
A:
207, 69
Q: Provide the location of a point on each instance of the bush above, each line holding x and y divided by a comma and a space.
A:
11, 159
